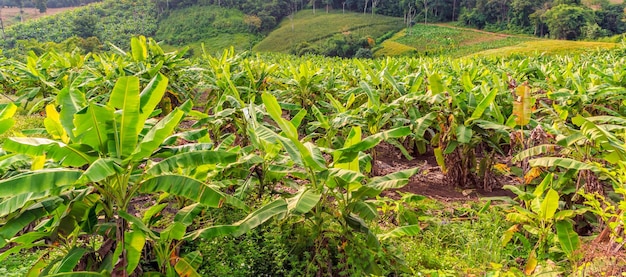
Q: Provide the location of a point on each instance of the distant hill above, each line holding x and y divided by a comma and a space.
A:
306, 27
219, 28
109, 21
447, 40
215, 27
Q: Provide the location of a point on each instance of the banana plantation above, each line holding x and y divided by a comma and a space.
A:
146, 163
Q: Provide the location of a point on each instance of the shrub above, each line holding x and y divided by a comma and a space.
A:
364, 53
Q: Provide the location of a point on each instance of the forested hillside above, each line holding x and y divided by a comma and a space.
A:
45, 3
89, 28
562, 19
219, 24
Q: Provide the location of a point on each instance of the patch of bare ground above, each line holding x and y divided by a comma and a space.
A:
9, 15
429, 181
601, 258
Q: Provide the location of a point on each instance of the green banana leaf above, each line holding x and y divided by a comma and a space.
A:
125, 99
68, 155
38, 181
191, 160
185, 187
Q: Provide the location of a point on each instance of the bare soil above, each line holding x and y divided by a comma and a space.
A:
11, 15
429, 181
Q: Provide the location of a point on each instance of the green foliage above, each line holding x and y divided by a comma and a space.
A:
363, 53
41, 5
468, 238
110, 21
291, 144
84, 26
437, 40
539, 217
218, 28
317, 29
566, 22
562, 19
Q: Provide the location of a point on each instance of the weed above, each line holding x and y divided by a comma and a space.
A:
470, 240
24, 124
19, 264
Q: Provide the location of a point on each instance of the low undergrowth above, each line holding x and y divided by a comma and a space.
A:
456, 237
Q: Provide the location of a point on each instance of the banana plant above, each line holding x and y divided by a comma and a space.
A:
541, 217
335, 192
468, 121
328, 125
583, 153
102, 159
37, 80
303, 83
146, 59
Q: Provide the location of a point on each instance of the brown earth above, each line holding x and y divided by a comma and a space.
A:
429, 181
11, 15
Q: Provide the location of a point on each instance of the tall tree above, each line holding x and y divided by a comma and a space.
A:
374, 4
20, 4
426, 4
566, 21
42, 5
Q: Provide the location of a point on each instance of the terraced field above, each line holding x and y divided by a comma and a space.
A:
447, 40
313, 28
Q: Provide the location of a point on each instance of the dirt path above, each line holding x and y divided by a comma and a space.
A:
429, 181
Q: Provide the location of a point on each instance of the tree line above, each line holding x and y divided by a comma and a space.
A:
44, 3
563, 19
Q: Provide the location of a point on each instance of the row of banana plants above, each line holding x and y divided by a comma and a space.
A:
77, 196
261, 124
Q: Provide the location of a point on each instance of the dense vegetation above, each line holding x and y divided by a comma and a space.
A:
263, 165
45, 3
452, 41
120, 158
335, 34
563, 19
244, 22
89, 28
216, 27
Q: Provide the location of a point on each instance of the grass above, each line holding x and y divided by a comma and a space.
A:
17, 265
435, 40
216, 27
23, 123
552, 47
432, 40
216, 45
460, 239
313, 28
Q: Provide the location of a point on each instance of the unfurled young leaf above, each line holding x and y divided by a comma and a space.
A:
521, 107
549, 205
53, 125
436, 84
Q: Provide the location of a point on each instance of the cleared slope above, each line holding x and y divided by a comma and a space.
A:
215, 27
435, 40
314, 28
548, 47
446, 40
